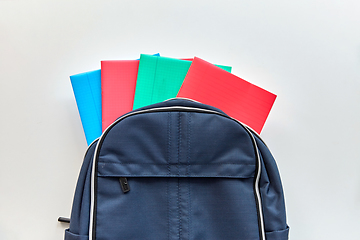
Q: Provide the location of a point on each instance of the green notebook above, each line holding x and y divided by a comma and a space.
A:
160, 78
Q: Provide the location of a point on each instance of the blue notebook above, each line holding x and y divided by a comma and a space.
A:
87, 91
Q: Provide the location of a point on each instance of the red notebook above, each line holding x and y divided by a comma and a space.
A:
238, 98
118, 82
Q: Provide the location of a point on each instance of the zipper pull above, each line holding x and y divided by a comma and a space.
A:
124, 184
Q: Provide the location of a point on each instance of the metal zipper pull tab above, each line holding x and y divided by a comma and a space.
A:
124, 184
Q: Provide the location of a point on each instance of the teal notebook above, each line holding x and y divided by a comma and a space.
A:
160, 78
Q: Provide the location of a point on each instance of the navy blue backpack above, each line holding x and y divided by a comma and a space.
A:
178, 170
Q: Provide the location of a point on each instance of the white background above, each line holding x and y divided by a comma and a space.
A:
306, 52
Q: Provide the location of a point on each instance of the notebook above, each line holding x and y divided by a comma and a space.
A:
118, 88
238, 98
118, 82
159, 79
87, 91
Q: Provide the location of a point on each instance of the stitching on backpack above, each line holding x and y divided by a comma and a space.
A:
190, 209
179, 142
179, 190
169, 142
189, 144
168, 207
179, 209
169, 172
180, 176
188, 173
182, 164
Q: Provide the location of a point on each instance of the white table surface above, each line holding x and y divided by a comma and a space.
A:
306, 52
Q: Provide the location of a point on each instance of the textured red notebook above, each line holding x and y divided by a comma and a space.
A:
118, 83
238, 98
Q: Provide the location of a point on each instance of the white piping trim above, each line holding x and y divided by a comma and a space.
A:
182, 98
247, 128
257, 190
92, 194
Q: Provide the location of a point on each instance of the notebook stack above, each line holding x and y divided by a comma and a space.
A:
121, 86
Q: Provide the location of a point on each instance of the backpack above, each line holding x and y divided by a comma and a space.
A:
178, 170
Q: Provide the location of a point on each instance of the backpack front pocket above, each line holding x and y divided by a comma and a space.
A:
173, 207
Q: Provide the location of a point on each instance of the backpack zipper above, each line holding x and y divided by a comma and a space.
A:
124, 184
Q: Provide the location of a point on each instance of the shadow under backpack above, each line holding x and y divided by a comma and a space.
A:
178, 170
